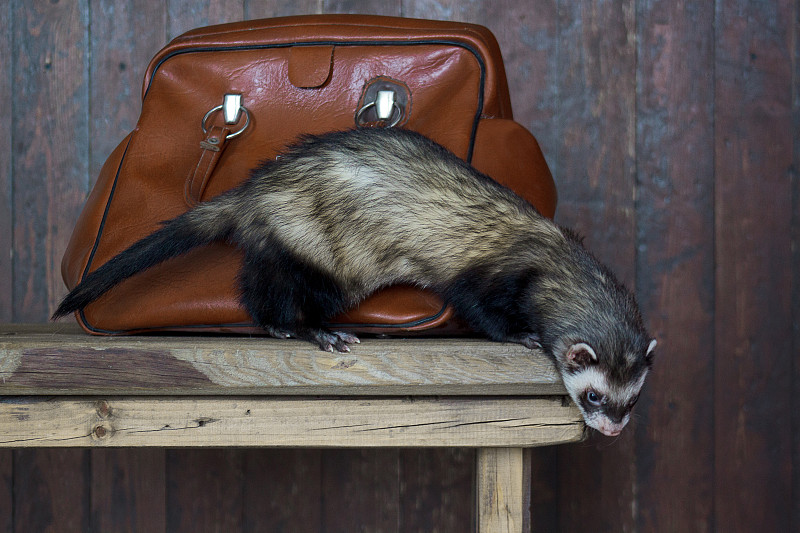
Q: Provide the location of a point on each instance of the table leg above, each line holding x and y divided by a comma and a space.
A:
503, 490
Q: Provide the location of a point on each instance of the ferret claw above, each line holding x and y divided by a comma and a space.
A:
278, 333
529, 340
333, 341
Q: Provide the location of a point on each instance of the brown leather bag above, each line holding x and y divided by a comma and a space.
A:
286, 77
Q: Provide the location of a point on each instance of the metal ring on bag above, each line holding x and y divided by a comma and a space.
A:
235, 133
370, 105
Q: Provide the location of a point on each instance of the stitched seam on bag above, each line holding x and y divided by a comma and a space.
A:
474, 51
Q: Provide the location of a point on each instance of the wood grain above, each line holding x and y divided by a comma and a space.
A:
50, 160
255, 9
59, 360
282, 490
51, 490
128, 489
125, 34
6, 249
204, 491
499, 485
6, 491
436, 489
185, 15
346, 506
286, 422
753, 152
675, 139
617, 93
596, 179
6, 173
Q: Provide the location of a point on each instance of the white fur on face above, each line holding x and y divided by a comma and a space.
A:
593, 378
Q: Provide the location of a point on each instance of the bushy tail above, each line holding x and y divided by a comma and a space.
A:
176, 237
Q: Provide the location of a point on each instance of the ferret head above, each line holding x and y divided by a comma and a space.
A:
605, 387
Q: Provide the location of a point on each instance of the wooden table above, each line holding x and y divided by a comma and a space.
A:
61, 387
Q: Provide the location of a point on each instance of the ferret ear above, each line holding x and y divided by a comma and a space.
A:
581, 355
650, 351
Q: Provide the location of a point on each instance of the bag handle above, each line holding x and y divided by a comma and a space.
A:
214, 144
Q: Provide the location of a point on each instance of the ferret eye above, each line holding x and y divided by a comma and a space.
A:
593, 398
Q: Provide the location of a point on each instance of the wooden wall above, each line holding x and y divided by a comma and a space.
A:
672, 131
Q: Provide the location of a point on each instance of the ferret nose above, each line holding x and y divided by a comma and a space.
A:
611, 429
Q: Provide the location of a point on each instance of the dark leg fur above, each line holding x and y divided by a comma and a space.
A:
494, 305
287, 297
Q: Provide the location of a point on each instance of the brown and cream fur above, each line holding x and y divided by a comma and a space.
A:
338, 216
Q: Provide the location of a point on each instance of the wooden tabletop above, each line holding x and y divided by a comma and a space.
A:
62, 359
62, 387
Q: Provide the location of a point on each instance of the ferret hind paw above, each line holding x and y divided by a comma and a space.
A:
330, 341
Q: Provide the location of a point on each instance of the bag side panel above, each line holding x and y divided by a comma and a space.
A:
510, 155
85, 234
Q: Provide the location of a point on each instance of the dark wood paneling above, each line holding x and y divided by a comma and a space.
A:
282, 491
367, 7
436, 490
672, 131
255, 9
128, 490
675, 281
753, 140
360, 491
795, 176
204, 491
596, 175
184, 15
6, 172
6, 491
6, 248
125, 34
50, 129
51, 490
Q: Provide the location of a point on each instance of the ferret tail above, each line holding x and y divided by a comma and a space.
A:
204, 224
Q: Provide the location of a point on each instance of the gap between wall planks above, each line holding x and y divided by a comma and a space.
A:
693, 67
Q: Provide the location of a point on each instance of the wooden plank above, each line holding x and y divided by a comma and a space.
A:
185, 15
204, 491
6, 172
795, 525
365, 7
527, 34
596, 175
543, 491
256, 9
282, 490
52, 360
754, 153
50, 164
436, 489
360, 490
125, 34
6, 491
501, 485
675, 211
286, 422
51, 490
128, 489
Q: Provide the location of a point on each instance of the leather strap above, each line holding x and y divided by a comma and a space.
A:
212, 147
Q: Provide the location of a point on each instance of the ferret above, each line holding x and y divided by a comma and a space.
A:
335, 217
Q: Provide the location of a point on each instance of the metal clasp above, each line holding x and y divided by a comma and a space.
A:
232, 109
385, 102
385, 106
